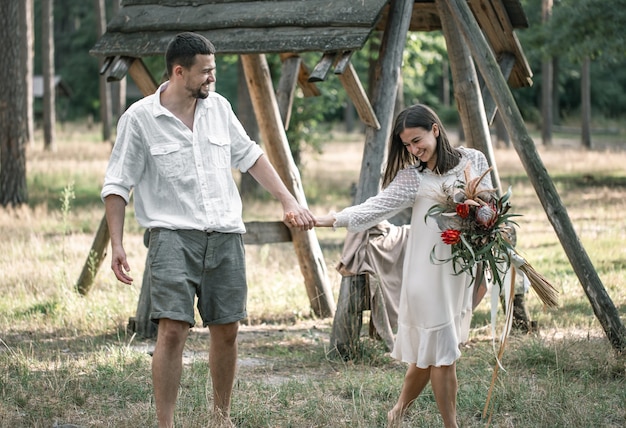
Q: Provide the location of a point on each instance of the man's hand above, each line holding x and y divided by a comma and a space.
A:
299, 218
120, 265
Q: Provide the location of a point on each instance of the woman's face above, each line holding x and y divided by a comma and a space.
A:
422, 144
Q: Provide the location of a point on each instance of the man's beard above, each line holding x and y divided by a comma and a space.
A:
198, 93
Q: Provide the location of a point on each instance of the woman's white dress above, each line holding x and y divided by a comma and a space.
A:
435, 304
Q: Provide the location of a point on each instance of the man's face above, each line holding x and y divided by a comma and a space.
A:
200, 76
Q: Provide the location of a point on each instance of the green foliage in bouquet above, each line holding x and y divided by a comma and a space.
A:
477, 224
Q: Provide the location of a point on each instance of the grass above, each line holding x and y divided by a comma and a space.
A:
69, 359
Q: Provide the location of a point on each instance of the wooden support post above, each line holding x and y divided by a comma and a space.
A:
602, 305
350, 81
467, 92
306, 245
506, 62
94, 259
287, 87
348, 319
383, 101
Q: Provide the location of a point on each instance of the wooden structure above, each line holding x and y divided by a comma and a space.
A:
475, 30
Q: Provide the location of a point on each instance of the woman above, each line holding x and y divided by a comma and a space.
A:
435, 304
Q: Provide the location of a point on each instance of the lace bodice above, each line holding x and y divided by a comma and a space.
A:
402, 192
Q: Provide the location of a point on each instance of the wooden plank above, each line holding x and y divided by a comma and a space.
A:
342, 62
232, 41
497, 28
266, 232
258, 14
350, 81
322, 68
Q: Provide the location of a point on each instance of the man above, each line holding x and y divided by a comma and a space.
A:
176, 148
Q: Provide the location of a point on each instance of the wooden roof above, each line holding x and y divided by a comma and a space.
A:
145, 27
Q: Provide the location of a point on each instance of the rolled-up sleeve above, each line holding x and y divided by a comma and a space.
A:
126, 163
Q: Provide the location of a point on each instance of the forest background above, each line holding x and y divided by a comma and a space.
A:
67, 358
577, 30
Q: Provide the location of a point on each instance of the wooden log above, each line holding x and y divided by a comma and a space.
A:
506, 62
383, 100
287, 87
348, 321
602, 305
467, 92
306, 245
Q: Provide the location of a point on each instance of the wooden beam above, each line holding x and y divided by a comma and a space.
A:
287, 87
467, 92
322, 68
494, 22
602, 305
350, 81
142, 77
266, 232
306, 245
309, 89
506, 62
342, 62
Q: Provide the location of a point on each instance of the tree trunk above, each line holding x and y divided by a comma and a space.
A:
601, 303
556, 108
26, 17
585, 104
105, 91
13, 126
546, 83
47, 53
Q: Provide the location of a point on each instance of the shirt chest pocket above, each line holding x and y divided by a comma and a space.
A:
168, 159
219, 151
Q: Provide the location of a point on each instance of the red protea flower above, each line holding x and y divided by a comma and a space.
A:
486, 215
451, 236
463, 210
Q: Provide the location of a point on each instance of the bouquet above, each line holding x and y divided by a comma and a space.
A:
477, 224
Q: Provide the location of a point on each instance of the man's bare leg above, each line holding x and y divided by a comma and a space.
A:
414, 382
444, 384
167, 367
223, 364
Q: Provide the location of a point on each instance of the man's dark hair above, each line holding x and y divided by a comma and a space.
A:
183, 49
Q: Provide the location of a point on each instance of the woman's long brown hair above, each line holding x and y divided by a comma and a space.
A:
418, 116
